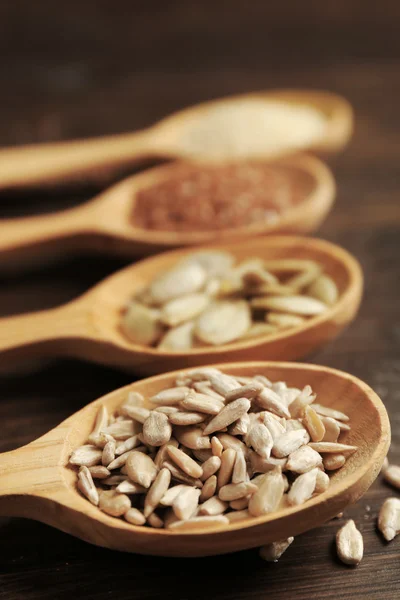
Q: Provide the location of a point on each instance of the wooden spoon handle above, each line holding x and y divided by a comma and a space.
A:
64, 161
30, 239
41, 333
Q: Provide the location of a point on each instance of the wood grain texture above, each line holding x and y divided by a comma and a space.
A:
80, 69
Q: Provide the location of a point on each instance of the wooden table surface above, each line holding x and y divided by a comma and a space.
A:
75, 68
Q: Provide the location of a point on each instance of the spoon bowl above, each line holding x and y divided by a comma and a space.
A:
36, 481
106, 223
89, 327
64, 161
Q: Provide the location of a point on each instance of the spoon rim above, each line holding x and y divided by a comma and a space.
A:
333, 492
353, 290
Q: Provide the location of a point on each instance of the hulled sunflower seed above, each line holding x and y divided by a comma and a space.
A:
241, 426
249, 390
274, 426
213, 506
157, 429
303, 488
240, 504
332, 429
391, 474
216, 447
322, 482
201, 403
184, 462
99, 472
119, 461
86, 456
332, 447
178, 475
334, 461
269, 400
227, 415
236, 491
186, 418
141, 469
303, 459
121, 430
204, 387
314, 424
210, 467
128, 487
156, 492
200, 523
230, 441
134, 516
162, 452
260, 439
238, 515
86, 485
298, 405
290, 441
263, 465
273, 552
155, 521
226, 469
349, 544
185, 504
100, 422
209, 488
326, 411
113, 503
108, 454
268, 495
172, 493
127, 445
192, 437
170, 397
138, 413
389, 518
239, 473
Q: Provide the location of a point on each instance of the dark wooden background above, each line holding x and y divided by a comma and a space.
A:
88, 67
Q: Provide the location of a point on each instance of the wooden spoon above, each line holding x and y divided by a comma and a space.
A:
106, 223
36, 481
88, 327
62, 161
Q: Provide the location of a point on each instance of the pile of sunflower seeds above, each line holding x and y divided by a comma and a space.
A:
213, 450
208, 300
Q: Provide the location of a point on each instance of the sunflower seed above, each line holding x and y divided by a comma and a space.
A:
263, 465
269, 400
236, 491
336, 448
324, 289
184, 462
192, 437
86, 456
141, 469
290, 441
239, 473
391, 474
314, 424
226, 469
213, 506
204, 387
297, 407
86, 485
114, 480
101, 439
349, 544
128, 487
162, 453
222, 383
302, 460
250, 390
230, 441
240, 504
99, 472
334, 461
332, 429
119, 461
216, 447
100, 422
121, 430
260, 439
156, 492
127, 445
210, 467
155, 521
178, 475
268, 495
134, 516
200, 523
113, 503
325, 411
238, 515
273, 552
201, 403
322, 482
185, 504
228, 414
275, 428
200, 455
209, 488
108, 454
389, 518
187, 418
302, 488
172, 493
223, 322
157, 429
171, 396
